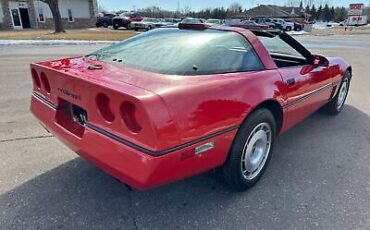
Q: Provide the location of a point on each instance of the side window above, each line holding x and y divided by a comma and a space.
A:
276, 46
70, 15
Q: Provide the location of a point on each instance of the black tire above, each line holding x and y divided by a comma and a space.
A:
115, 27
299, 28
333, 108
105, 24
232, 170
288, 28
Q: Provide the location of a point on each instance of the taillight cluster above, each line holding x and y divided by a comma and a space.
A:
40, 81
129, 113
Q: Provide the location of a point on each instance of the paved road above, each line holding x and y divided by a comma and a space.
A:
317, 179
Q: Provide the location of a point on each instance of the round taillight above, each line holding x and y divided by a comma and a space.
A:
36, 79
45, 82
132, 118
104, 108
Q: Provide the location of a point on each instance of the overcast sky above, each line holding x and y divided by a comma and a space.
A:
114, 5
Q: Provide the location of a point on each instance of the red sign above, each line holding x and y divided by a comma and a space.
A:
355, 9
356, 6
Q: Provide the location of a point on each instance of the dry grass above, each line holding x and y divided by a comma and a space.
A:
77, 34
339, 30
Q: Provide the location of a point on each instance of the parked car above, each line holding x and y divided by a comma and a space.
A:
285, 25
297, 26
105, 21
125, 19
193, 21
175, 102
146, 24
249, 24
265, 21
212, 21
172, 20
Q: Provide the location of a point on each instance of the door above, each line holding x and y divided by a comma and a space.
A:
25, 19
16, 18
308, 85
308, 88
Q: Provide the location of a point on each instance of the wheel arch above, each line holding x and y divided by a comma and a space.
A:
275, 108
349, 68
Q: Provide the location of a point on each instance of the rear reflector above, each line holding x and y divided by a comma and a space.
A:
104, 107
36, 79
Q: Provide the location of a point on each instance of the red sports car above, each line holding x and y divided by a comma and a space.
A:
175, 102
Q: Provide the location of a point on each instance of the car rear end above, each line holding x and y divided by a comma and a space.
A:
123, 129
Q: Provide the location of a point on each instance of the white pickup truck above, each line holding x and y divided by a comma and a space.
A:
284, 25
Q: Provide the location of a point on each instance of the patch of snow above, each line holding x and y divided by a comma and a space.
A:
322, 25
52, 42
302, 32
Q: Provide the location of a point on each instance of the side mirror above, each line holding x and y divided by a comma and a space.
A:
318, 60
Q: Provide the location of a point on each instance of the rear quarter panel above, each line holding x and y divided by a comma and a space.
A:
206, 104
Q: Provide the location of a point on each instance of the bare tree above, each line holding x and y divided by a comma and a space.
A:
186, 10
54, 8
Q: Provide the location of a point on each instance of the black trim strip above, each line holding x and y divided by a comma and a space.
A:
44, 100
162, 152
135, 146
310, 94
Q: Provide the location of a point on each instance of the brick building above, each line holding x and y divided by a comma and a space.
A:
34, 14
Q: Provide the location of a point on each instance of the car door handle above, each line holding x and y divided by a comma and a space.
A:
290, 81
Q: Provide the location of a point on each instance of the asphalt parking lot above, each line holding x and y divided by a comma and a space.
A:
317, 179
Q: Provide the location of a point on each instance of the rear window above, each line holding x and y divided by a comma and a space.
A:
184, 52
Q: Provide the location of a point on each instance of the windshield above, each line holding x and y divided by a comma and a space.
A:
183, 52
213, 21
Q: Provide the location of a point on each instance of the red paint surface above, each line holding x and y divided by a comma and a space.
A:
172, 110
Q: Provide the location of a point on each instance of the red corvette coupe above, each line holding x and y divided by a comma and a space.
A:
175, 102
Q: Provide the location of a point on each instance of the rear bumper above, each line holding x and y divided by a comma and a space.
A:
131, 166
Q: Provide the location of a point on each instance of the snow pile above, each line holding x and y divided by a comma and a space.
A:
302, 32
322, 25
52, 42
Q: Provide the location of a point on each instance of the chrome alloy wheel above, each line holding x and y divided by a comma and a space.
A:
342, 94
256, 151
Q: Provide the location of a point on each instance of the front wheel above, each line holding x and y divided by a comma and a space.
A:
336, 105
251, 151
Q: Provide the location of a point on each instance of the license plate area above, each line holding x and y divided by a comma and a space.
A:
71, 117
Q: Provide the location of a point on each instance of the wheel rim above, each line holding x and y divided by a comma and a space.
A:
256, 151
342, 94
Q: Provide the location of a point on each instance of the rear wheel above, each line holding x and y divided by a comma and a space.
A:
251, 150
115, 27
336, 105
105, 24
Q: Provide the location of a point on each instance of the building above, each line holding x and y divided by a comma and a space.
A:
272, 11
34, 14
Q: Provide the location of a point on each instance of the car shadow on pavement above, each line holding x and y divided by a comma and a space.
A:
310, 163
